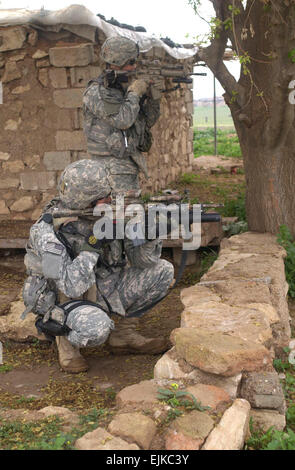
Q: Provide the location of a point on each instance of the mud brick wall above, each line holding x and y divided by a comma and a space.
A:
43, 74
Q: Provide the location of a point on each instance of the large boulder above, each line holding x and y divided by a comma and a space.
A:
263, 390
139, 396
239, 321
100, 439
134, 427
12, 38
15, 329
219, 353
172, 367
254, 259
231, 432
189, 431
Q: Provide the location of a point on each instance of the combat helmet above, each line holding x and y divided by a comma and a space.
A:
82, 183
118, 50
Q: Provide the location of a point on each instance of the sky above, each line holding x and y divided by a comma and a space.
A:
173, 18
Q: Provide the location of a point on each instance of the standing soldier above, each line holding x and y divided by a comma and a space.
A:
118, 115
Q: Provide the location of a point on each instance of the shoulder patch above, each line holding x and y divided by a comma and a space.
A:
54, 248
112, 100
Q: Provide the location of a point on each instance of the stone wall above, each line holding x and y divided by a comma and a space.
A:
44, 75
234, 323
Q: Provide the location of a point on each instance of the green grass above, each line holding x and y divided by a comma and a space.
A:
227, 143
286, 240
47, 434
179, 401
273, 439
204, 117
42, 435
235, 207
188, 178
5, 368
208, 259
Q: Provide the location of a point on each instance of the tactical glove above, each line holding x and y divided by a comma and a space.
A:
156, 88
139, 87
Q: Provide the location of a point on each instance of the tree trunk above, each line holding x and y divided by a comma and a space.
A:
262, 34
268, 139
270, 177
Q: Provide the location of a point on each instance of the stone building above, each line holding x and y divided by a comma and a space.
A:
46, 60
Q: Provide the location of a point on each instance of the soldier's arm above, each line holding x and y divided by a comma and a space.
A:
72, 277
143, 256
121, 115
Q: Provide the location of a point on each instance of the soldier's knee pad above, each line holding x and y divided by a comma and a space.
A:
90, 326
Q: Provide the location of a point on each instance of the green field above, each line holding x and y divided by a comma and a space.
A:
227, 142
204, 117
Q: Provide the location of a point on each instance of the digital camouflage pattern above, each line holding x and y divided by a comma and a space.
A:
138, 288
126, 288
90, 326
116, 127
73, 278
117, 50
108, 111
123, 174
82, 183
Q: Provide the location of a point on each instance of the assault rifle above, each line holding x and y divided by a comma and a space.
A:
155, 72
175, 205
132, 197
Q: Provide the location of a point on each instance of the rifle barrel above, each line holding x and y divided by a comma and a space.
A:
210, 217
60, 214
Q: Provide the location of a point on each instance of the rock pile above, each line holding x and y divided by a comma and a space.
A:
233, 324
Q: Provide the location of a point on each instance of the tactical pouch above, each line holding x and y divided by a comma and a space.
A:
146, 141
53, 324
115, 144
141, 134
51, 328
37, 296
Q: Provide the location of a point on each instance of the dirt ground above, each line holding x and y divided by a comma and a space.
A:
32, 377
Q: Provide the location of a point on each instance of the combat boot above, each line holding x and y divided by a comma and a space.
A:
70, 359
126, 340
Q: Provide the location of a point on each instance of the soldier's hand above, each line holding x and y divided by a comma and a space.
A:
139, 87
156, 88
155, 93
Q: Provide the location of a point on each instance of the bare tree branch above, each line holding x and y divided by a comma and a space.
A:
213, 55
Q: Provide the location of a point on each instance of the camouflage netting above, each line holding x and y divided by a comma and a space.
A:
77, 15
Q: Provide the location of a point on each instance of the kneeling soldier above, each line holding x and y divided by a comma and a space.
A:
74, 287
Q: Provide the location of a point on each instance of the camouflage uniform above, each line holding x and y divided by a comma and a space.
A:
124, 288
116, 121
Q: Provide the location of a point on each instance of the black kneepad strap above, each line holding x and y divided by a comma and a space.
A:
51, 328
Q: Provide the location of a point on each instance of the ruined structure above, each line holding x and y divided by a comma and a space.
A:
46, 60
